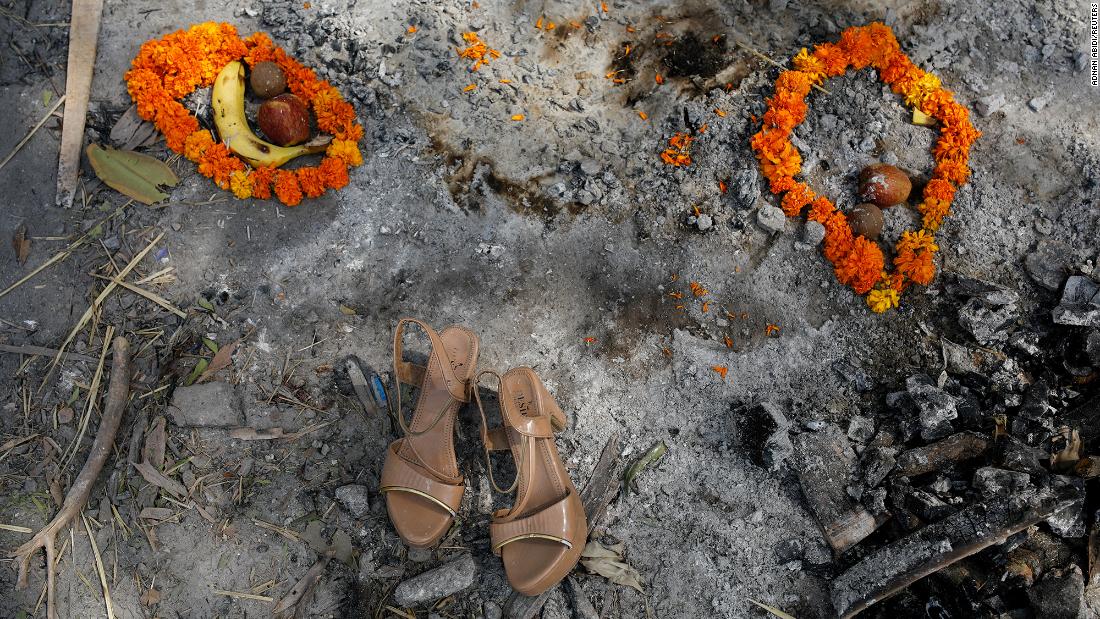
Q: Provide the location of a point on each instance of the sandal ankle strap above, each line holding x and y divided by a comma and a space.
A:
413, 374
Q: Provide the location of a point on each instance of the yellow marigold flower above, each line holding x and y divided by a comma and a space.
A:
810, 65
346, 151
240, 185
881, 300
924, 86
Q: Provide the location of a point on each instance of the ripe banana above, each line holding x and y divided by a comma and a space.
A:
227, 101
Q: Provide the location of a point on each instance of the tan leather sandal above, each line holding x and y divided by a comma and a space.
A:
541, 537
420, 477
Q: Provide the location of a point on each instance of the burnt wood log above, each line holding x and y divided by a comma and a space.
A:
941, 454
895, 566
826, 465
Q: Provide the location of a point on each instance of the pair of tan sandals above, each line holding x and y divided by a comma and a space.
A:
541, 537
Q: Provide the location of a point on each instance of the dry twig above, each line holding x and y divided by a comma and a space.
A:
117, 396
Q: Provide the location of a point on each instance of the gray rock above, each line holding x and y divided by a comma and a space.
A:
990, 481
591, 167
988, 323
861, 429
989, 104
1059, 595
813, 233
355, 500
771, 218
1046, 264
936, 407
704, 222
447, 579
1038, 104
209, 405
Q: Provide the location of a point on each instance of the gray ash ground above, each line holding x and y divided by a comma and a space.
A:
538, 235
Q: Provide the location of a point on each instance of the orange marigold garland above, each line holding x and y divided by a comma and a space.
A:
168, 69
859, 262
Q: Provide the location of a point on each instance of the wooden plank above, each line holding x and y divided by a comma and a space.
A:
602, 488
83, 32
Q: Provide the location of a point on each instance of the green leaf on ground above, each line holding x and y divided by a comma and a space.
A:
133, 174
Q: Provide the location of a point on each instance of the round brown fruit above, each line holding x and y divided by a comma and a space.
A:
284, 120
866, 220
267, 80
884, 185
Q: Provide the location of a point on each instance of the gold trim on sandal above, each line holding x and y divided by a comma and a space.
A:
517, 538
385, 489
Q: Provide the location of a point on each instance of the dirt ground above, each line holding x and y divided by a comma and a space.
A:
558, 240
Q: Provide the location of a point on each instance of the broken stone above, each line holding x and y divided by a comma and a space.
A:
988, 323
765, 432
990, 481
813, 233
1080, 305
447, 579
209, 405
855, 375
704, 222
861, 429
994, 294
771, 218
355, 499
1060, 594
988, 105
827, 463
936, 408
897, 565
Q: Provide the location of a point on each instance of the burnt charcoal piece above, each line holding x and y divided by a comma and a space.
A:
764, 431
826, 465
990, 481
1060, 594
928, 550
1015, 455
1080, 304
942, 454
936, 408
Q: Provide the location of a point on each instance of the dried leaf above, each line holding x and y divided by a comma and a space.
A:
156, 513
1064, 459
343, 550
654, 454
771, 609
150, 597
347, 311
159, 480
21, 244
222, 358
206, 305
608, 563
133, 174
312, 536
153, 451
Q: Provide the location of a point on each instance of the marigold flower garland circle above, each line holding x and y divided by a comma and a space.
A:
166, 70
857, 261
